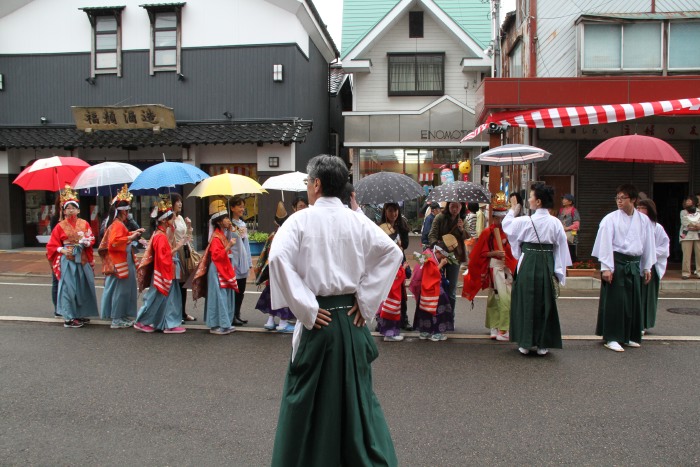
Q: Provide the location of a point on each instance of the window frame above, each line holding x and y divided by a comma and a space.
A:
622, 68
669, 44
93, 15
153, 11
440, 92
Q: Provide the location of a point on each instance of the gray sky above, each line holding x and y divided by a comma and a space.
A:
332, 13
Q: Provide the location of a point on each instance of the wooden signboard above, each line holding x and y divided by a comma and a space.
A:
124, 117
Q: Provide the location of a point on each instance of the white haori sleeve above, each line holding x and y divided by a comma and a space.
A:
662, 249
648, 238
287, 288
603, 246
562, 257
382, 258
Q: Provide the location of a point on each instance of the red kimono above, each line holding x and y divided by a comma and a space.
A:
391, 307
69, 232
157, 264
112, 250
430, 285
216, 253
479, 275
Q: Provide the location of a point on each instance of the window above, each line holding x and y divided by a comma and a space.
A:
683, 52
415, 24
421, 74
516, 61
622, 47
105, 57
165, 36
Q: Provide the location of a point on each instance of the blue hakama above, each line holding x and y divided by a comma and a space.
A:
119, 299
76, 289
220, 302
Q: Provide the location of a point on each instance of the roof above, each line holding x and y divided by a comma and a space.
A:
361, 16
237, 132
336, 78
641, 16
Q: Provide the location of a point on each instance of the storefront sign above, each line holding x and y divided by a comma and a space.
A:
123, 117
449, 135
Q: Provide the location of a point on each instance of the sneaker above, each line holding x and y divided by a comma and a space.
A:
143, 327
288, 329
176, 330
437, 337
393, 338
57, 315
503, 336
614, 346
424, 335
270, 327
83, 320
220, 331
523, 350
634, 345
542, 352
73, 323
494, 333
121, 324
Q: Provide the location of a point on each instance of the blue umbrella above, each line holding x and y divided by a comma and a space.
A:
163, 176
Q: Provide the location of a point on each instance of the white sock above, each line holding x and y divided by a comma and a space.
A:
270, 321
283, 323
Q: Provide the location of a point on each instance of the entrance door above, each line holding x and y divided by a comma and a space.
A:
562, 184
668, 198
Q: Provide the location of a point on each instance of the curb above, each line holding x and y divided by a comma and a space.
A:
470, 337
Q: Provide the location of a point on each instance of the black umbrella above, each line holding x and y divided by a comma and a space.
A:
387, 187
462, 192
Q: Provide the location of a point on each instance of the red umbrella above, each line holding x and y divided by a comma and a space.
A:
636, 148
51, 173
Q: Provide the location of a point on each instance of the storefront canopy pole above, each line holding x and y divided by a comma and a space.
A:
558, 117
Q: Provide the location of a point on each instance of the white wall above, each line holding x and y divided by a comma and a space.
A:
371, 89
58, 26
285, 153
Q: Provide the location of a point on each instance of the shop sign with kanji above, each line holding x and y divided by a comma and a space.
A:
124, 117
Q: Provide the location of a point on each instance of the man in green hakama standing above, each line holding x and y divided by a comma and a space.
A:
332, 267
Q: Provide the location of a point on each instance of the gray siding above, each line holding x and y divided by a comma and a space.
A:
234, 79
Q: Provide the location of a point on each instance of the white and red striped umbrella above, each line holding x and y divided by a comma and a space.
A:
559, 117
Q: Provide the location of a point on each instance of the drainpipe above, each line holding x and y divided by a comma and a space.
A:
532, 26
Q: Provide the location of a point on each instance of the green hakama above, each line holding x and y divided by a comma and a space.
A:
534, 318
620, 308
330, 415
650, 299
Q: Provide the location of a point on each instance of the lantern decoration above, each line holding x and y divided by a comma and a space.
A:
465, 167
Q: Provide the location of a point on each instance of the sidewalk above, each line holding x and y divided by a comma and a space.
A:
32, 262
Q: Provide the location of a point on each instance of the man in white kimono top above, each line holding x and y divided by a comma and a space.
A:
332, 267
626, 251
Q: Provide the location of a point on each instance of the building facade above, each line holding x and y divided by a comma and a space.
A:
248, 82
415, 68
577, 54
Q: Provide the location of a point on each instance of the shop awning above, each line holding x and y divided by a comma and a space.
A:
558, 117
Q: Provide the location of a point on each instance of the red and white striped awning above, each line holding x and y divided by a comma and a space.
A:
558, 117
426, 177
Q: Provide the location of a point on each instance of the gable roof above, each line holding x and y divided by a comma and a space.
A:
362, 16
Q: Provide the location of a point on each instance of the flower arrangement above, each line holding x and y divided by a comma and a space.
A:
258, 237
587, 264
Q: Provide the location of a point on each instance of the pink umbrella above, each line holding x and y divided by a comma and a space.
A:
51, 173
636, 148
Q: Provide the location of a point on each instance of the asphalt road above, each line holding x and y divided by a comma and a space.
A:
117, 397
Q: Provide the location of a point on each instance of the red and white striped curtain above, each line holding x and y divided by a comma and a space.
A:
426, 177
558, 117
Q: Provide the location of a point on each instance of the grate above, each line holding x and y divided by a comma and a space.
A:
685, 311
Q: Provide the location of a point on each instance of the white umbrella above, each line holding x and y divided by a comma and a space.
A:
106, 174
512, 154
293, 181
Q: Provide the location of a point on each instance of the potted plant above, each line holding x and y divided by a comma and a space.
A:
586, 268
257, 242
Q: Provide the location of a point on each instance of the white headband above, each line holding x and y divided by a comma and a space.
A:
124, 208
74, 203
165, 215
216, 215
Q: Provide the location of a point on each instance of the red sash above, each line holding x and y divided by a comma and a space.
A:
430, 286
478, 276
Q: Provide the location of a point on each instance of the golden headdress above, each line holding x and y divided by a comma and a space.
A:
499, 203
123, 199
217, 208
69, 196
165, 207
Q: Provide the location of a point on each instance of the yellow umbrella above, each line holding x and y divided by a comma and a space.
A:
227, 184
